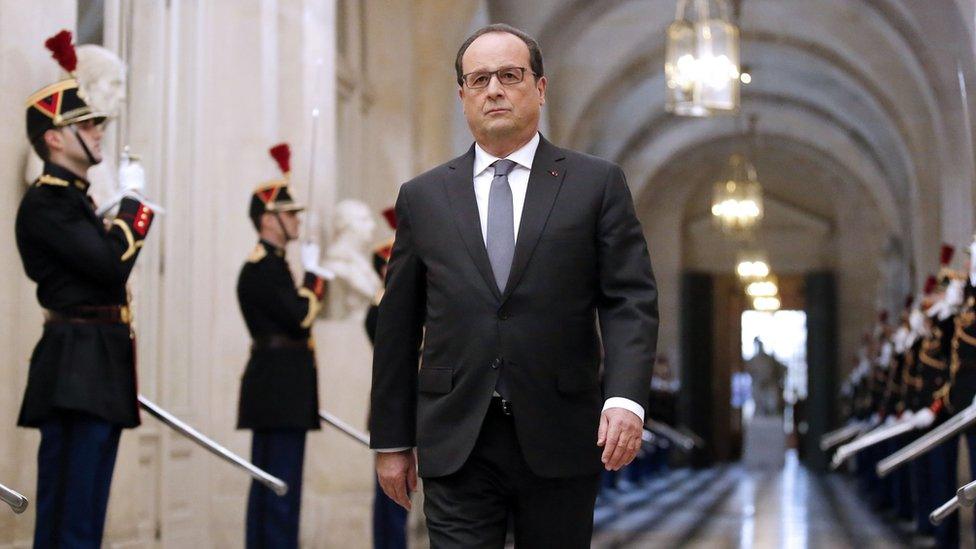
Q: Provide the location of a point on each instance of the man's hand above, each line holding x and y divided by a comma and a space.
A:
619, 436
397, 473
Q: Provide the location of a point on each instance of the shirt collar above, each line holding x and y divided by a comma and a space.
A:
523, 156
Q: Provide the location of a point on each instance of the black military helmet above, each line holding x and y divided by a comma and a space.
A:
60, 104
273, 196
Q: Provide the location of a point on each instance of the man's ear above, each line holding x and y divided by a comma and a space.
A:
540, 85
54, 140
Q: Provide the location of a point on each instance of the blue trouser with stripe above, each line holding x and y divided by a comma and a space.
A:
272, 520
74, 475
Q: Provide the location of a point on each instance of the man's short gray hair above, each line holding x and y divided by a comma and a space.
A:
535, 53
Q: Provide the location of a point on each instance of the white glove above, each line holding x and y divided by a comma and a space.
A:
889, 420
917, 320
875, 419
132, 183
310, 256
906, 416
972, 263
310, 261
923, 418
132, 177
954, 293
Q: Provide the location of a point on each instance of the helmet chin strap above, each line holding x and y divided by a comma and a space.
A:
288, 235
84, 146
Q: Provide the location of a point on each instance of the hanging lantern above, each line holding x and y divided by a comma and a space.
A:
771, 303
751, 265
737, 200
702, 59
763, 288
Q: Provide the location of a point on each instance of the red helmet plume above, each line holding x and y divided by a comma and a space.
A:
63, 50
390, 215
282, 155
946, 254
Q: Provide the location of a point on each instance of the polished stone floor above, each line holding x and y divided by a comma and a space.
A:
735, 507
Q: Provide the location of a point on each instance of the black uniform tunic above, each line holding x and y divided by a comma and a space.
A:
963, 354
933, 363
279, 389
81, 266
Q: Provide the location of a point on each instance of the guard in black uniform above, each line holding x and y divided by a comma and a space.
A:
389, 518
81, 388
279, 389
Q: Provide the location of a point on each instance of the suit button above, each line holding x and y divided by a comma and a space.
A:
503, 315
496, 364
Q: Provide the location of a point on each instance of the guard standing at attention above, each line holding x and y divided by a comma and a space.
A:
81, 387
279, 390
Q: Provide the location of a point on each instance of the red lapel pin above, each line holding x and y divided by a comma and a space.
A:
554, 173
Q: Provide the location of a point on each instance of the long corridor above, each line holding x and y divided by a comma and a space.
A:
731, 506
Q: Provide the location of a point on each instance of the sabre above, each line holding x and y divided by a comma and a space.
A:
936, 517
871, 438
345, 428
682, 440
967, 494
15, 500
952, 427
967, 117
275, 484
311, 172
842, 435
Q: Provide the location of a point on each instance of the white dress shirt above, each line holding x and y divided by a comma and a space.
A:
518, 180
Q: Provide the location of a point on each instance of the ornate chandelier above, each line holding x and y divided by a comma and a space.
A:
737, 202
702, 60
764, 294
752, 265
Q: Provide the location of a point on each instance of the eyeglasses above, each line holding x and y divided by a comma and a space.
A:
507, 76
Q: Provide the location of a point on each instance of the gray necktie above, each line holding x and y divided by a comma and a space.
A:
501, 224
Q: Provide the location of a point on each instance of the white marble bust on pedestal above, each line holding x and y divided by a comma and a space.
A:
348, 256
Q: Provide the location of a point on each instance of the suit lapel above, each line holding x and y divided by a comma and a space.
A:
459, 185
545, 181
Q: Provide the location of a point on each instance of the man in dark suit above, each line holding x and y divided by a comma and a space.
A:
519, 266
81, 388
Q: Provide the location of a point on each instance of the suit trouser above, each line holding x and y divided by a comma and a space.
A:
471, 507
74, 474
389, 522
272, 520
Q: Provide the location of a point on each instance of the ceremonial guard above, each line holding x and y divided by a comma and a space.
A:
389, 519
81, 388
279, 389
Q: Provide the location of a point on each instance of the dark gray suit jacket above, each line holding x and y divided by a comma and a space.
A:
581, 273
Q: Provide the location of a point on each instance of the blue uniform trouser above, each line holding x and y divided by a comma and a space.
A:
942, 467
901, 485
74, 474
922, 484
272, 520
389, 522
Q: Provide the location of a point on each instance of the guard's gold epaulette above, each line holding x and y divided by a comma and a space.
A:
257, 254
46, 179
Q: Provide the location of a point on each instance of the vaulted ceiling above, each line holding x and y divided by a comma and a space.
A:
851, 95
